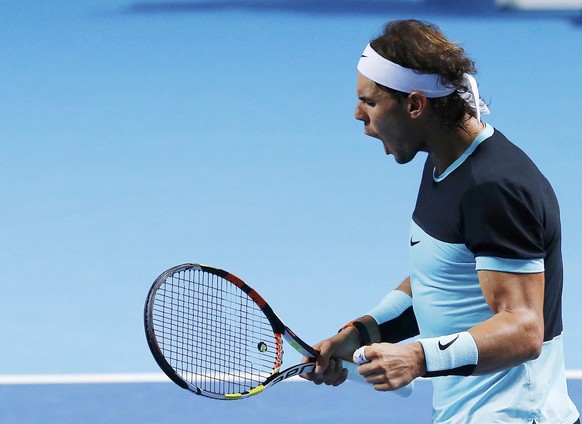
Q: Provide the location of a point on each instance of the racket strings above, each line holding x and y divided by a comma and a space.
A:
213, 334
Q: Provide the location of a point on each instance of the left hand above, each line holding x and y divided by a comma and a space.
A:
392, 366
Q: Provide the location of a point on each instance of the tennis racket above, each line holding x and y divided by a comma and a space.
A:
215, 336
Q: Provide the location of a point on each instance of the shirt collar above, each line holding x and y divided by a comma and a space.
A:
482, 136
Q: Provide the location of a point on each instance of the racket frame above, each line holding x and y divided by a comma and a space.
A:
280, 330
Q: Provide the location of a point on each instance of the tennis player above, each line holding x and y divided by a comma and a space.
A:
484, 292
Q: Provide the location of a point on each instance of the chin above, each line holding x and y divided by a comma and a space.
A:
402, 159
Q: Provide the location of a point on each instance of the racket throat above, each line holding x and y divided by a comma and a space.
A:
293, 371
299, 345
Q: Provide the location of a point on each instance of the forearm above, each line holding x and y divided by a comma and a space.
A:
372, 329
514, 334
391, 321
503, 341
507, 339
395, 315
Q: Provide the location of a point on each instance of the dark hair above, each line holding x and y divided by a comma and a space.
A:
423, 47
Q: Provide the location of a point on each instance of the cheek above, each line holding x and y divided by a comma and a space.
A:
386, 128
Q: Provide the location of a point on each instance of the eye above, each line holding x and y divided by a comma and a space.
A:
367, 102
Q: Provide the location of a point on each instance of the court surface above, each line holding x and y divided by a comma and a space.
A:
287, 403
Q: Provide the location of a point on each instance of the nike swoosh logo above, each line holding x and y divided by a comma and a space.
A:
447, 345
413, 242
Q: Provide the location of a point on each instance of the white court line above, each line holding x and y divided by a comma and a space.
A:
87, 378
574, 374
84, 378
127, 378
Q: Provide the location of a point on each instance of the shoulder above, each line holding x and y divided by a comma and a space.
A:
497, 158
500, 168
510, 208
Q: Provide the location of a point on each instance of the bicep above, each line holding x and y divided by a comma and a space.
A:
512, 292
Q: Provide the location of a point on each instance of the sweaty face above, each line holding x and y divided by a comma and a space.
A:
388, 120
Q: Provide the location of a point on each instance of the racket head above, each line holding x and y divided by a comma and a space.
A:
211, 333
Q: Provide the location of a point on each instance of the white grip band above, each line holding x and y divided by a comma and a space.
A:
360, 356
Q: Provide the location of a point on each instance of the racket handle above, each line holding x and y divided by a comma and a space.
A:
354, 376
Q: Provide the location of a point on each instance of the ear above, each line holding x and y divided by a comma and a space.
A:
417, 104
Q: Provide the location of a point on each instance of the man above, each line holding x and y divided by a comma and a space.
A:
484, 292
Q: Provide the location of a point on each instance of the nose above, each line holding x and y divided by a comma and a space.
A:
359, 114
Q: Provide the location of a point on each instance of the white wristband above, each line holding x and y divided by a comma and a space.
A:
456, 354
391, 306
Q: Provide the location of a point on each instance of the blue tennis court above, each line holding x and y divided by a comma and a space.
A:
289, 402
137, 135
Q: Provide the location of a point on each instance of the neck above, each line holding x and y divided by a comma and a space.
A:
445, 147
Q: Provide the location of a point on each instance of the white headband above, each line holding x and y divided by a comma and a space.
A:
396, 77
471, 96
392, 75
